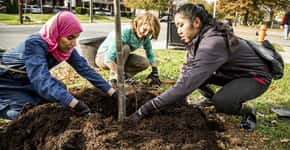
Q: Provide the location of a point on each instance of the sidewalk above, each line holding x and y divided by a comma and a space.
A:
273, 35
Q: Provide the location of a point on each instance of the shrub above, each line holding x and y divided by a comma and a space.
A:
81, 10
12, 9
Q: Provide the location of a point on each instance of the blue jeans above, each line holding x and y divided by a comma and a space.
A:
13, 97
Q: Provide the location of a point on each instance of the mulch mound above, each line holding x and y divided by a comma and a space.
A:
50, 126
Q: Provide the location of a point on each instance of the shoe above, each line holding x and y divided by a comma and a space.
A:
202, 102
249, 120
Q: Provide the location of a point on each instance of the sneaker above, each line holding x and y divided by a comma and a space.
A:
202, 102
249, 120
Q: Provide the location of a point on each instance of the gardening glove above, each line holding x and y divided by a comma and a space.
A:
129, 80
144, 111
154, 77
136, 117
82, 109
115, 95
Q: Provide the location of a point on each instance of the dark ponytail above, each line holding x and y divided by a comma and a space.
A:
191, 11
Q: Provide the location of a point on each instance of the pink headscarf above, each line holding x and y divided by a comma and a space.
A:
61, 25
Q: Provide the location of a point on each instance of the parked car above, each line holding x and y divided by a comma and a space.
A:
36, 9
31, 9
102, 11
58, 8
3, 8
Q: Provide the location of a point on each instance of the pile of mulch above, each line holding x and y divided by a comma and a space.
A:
50, 126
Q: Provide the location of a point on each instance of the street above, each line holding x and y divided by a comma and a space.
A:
11, 35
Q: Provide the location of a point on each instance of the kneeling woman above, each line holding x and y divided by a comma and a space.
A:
143, 28
24, 72
215, 56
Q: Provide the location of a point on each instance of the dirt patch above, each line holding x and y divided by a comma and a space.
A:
50, 126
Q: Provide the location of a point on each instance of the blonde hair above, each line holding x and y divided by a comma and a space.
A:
151, 20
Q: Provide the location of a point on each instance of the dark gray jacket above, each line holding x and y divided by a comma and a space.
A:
210, 56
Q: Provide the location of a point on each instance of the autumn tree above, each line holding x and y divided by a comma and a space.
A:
147, 4
251, 10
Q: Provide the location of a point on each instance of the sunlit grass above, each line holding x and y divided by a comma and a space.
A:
13, 19
269, 126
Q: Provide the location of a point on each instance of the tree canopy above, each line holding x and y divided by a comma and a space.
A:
147, 4
252, 10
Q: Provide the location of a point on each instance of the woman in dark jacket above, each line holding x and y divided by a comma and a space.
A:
24, 71
215, 56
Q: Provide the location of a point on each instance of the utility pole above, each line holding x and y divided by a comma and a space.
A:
20, 11
120, 63
170, 11
91, 11
41, 7
214, 8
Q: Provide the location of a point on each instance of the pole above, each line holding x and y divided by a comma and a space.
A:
41, 7
120, 68
170, 7
20, 11
214, 8
91, 11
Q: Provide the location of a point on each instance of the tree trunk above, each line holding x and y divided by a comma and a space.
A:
246, 17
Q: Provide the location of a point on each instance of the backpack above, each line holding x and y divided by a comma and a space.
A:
267, 52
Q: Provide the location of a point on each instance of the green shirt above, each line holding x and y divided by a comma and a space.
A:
128, 37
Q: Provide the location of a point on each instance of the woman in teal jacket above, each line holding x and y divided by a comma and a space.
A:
143, 28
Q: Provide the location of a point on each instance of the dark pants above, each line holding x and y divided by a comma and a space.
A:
234, 93
133, 63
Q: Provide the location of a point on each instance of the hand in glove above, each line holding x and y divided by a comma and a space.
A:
115, 95
82, 109
154, 77
145, 110
136, 117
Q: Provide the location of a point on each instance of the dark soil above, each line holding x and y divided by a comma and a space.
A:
50, 126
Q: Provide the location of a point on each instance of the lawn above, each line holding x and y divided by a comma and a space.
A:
275, 131
13, 19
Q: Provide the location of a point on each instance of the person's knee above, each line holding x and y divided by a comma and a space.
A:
225, 106
144, 64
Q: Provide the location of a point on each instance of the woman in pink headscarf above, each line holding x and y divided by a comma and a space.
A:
24, 71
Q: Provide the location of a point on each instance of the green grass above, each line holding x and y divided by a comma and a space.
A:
13, 19
269, 126
9, 19
278, 47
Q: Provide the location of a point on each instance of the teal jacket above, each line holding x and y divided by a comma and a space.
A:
128, 37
